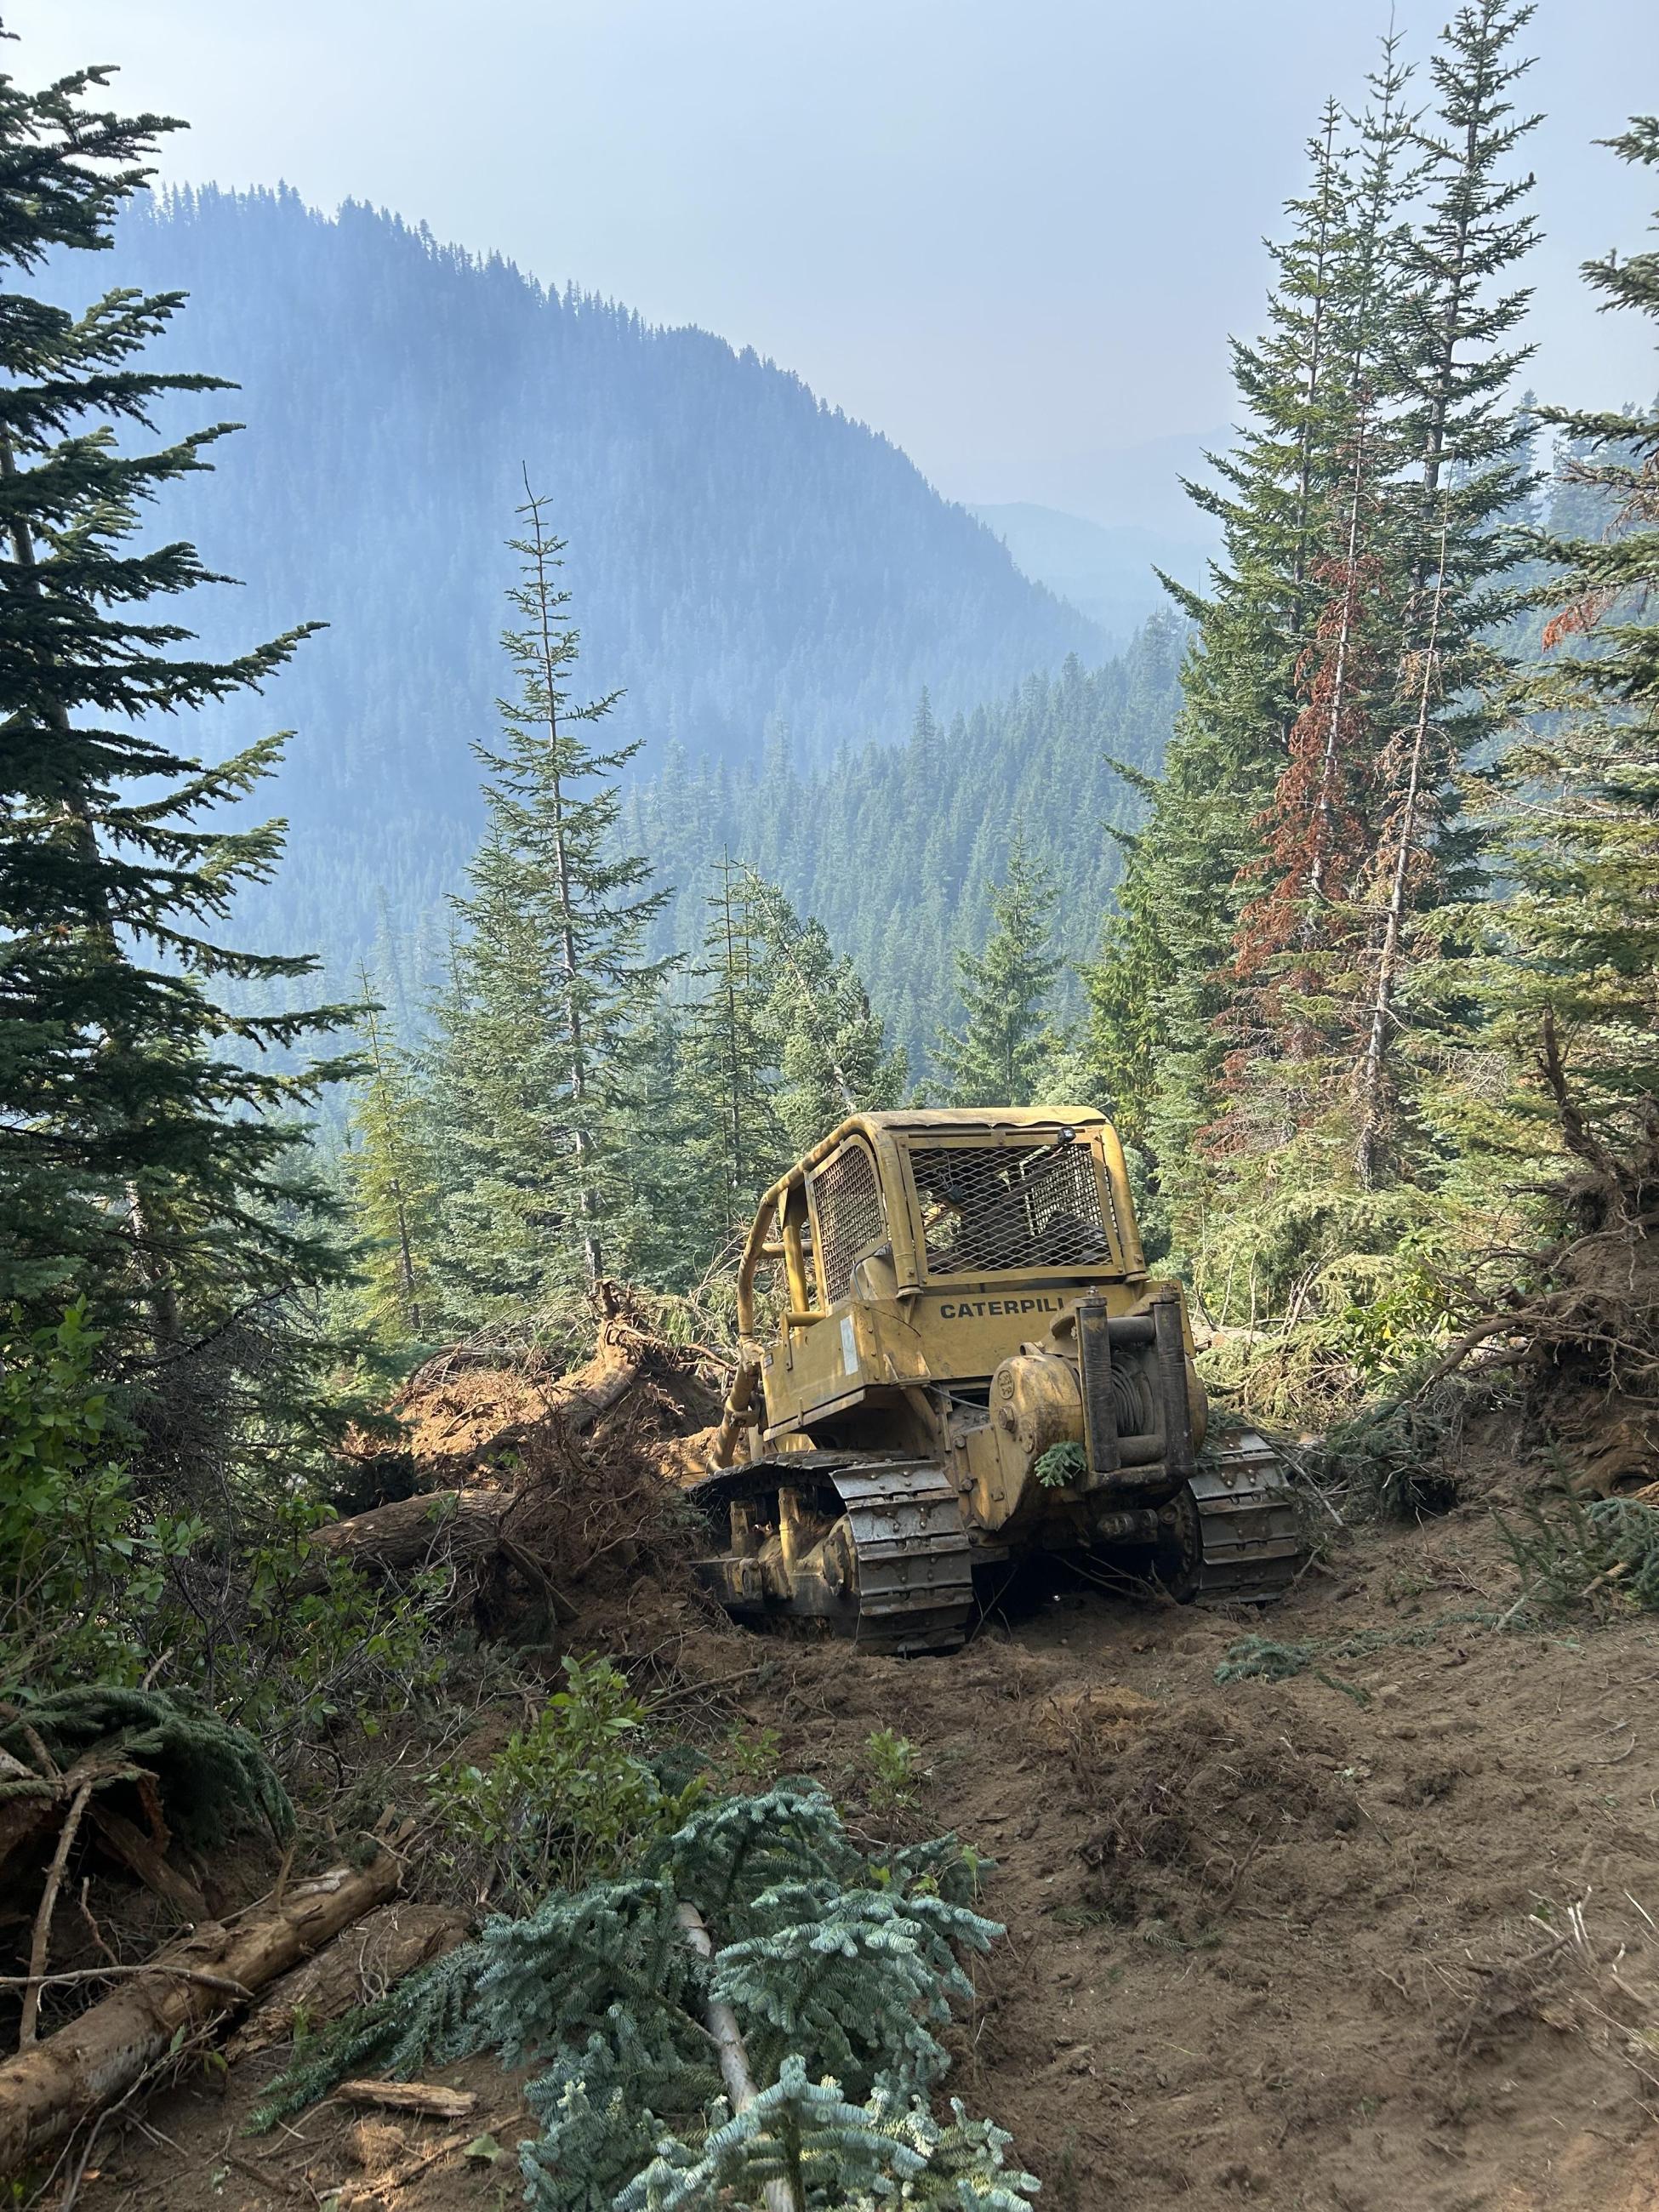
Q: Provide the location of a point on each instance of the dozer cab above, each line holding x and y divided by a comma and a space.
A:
963, 1362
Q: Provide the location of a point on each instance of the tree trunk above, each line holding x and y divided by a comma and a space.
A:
407, 1535
1409, 829
722, 2025
47, 2090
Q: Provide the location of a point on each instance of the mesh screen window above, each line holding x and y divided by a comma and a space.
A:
989, 1210
850, 1219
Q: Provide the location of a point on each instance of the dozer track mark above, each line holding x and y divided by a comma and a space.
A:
1250, 1548
911, 1586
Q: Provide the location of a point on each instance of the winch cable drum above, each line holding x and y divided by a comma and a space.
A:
1133, 1403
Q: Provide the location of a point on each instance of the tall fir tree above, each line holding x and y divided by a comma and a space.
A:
152, 1150
1574, 933
553, 988
998, 1057
1161, 993
1291, 936
393, 1186
1468, 444
1267, 1002
830, 1048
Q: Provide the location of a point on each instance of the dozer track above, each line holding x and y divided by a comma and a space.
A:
1244, 1541
908, 1585
899, 1572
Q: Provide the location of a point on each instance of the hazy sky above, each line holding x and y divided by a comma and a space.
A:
1009, 235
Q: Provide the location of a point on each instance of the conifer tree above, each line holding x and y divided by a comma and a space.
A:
394, 1187
151, 1145
1287, 1023
554, 985
1160, 993
1469, 444
832, 1971
728, 1062
1266, 977
997, 1059
1569, 980
830, 1049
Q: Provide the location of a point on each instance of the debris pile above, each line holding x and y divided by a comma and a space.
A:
552, 1499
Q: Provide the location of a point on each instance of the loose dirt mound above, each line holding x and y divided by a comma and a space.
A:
459, 1414
1193, 1803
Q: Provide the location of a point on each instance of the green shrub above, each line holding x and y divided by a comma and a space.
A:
292, 1653
891, 1761
93, 1589
79, 1569
568, 1801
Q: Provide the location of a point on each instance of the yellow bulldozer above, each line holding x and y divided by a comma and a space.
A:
963, 1362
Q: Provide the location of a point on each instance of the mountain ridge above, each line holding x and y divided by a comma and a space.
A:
742, 556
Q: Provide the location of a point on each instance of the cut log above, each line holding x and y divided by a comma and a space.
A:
428, 2097
356, 1968
47, 2090
411, 1532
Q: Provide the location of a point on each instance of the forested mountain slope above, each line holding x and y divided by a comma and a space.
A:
740, 552
895, 848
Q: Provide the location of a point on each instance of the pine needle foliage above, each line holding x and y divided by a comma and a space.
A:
822, 2150
151, 1160
1574, 803
212, 1775
839, 1968
998, 1055
425, 2018
394, 1185
1605, 1551
831, 1050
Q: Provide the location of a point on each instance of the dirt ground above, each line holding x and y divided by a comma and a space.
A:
1381, 1938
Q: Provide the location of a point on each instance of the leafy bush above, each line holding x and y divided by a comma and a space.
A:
92, 1588
289, 1641
890, 1760
568, 1801
78, 1570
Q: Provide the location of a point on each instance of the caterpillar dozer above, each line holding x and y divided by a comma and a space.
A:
967, 1363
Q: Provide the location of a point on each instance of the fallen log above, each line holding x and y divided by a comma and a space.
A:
411, 1532
49, 2088
380, 1949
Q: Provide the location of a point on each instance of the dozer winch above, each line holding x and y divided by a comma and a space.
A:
968, 1365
